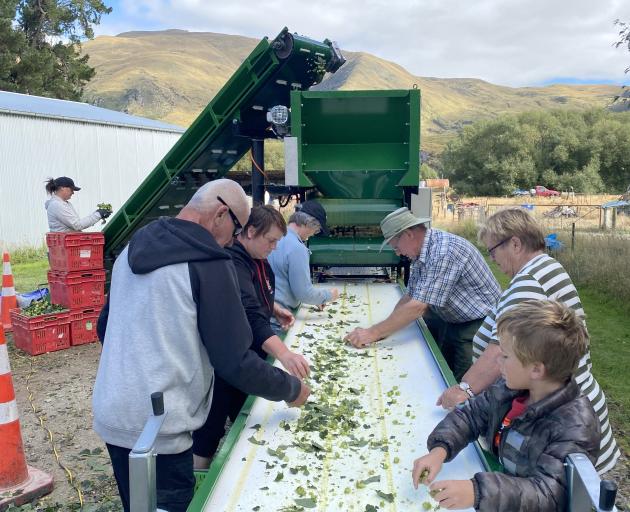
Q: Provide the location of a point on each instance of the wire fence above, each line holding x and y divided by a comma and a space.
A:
552, 215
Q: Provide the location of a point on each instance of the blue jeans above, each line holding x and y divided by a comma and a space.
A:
175, 481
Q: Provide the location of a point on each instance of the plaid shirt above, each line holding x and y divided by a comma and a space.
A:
451, 276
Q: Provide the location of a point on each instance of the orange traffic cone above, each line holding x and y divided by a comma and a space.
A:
19, 483
9, 300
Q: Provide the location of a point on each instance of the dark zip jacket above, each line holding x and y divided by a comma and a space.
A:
257, 284
532, 449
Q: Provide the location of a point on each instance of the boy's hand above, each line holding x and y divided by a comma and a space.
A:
426, 468
454, 494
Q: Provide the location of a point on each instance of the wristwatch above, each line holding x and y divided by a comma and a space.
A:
464, 386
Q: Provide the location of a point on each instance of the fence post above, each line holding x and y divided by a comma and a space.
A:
573, 236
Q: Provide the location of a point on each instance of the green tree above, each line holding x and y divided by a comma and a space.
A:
622, 101
612, 136
40, 43
427, 172
589, 151
586, 180
489, 158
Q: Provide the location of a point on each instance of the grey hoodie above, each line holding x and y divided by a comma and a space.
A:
173, 317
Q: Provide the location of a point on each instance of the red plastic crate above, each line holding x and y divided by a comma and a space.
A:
40, 334
77, 289
83, 326
70, 252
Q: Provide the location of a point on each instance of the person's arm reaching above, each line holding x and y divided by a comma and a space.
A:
481, 375
403, 314
65, 213
300, 279
225, 332
293, 362
263, 335
284, 317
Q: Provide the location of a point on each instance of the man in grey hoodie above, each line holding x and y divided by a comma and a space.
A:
174, 317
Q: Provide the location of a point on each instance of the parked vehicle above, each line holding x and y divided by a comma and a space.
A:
520, 192
545, 192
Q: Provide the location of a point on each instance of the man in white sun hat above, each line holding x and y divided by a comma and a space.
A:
450, 286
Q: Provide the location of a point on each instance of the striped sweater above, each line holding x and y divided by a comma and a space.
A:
544, 278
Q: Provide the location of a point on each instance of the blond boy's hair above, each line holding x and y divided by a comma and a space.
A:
547, 332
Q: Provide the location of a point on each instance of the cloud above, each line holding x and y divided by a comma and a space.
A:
509, 42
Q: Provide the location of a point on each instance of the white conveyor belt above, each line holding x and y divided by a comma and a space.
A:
399, 382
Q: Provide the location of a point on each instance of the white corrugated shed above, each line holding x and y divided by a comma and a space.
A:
106, 153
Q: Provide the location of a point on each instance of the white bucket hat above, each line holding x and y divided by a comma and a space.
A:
397, 221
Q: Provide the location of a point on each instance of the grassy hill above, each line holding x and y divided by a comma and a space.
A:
171, 75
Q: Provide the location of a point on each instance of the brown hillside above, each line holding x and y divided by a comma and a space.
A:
171, 75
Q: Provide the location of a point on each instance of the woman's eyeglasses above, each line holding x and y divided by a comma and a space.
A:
495, 247
238, 228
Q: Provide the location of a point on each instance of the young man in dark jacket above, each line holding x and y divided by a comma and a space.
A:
256, 281
173, 319
532, 418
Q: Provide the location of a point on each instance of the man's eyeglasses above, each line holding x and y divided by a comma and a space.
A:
495, 247
238, 228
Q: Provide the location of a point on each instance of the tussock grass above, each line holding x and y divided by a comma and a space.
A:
599, 262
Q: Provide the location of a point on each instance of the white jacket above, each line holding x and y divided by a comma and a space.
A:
62, 217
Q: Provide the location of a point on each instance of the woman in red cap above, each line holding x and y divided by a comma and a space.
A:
61, 214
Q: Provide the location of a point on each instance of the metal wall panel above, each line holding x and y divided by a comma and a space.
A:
107, 162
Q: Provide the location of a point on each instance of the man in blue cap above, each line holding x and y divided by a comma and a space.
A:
290, 260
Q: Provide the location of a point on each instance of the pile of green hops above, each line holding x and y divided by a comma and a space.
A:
104, 206
41, 307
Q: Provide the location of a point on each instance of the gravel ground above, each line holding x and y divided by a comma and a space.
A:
60, 385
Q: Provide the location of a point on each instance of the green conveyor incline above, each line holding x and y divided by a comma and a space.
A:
223, 132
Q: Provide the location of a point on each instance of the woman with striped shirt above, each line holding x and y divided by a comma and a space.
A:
516, 242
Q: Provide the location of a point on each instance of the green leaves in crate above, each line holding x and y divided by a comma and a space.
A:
42, 307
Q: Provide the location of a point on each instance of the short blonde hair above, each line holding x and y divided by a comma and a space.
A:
547, 332
513, 222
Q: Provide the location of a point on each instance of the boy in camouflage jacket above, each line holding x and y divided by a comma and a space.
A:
532, 418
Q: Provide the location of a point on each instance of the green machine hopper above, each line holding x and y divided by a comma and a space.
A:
357, 152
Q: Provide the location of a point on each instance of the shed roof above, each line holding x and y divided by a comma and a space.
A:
37, 106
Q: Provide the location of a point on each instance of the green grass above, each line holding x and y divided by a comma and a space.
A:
609, 328
29, 275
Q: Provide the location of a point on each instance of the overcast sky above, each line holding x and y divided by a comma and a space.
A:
507, 42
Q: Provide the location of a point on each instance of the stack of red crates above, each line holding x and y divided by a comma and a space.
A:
77, 280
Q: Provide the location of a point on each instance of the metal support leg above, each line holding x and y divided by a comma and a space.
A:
587, 492
258, 167
142, 472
